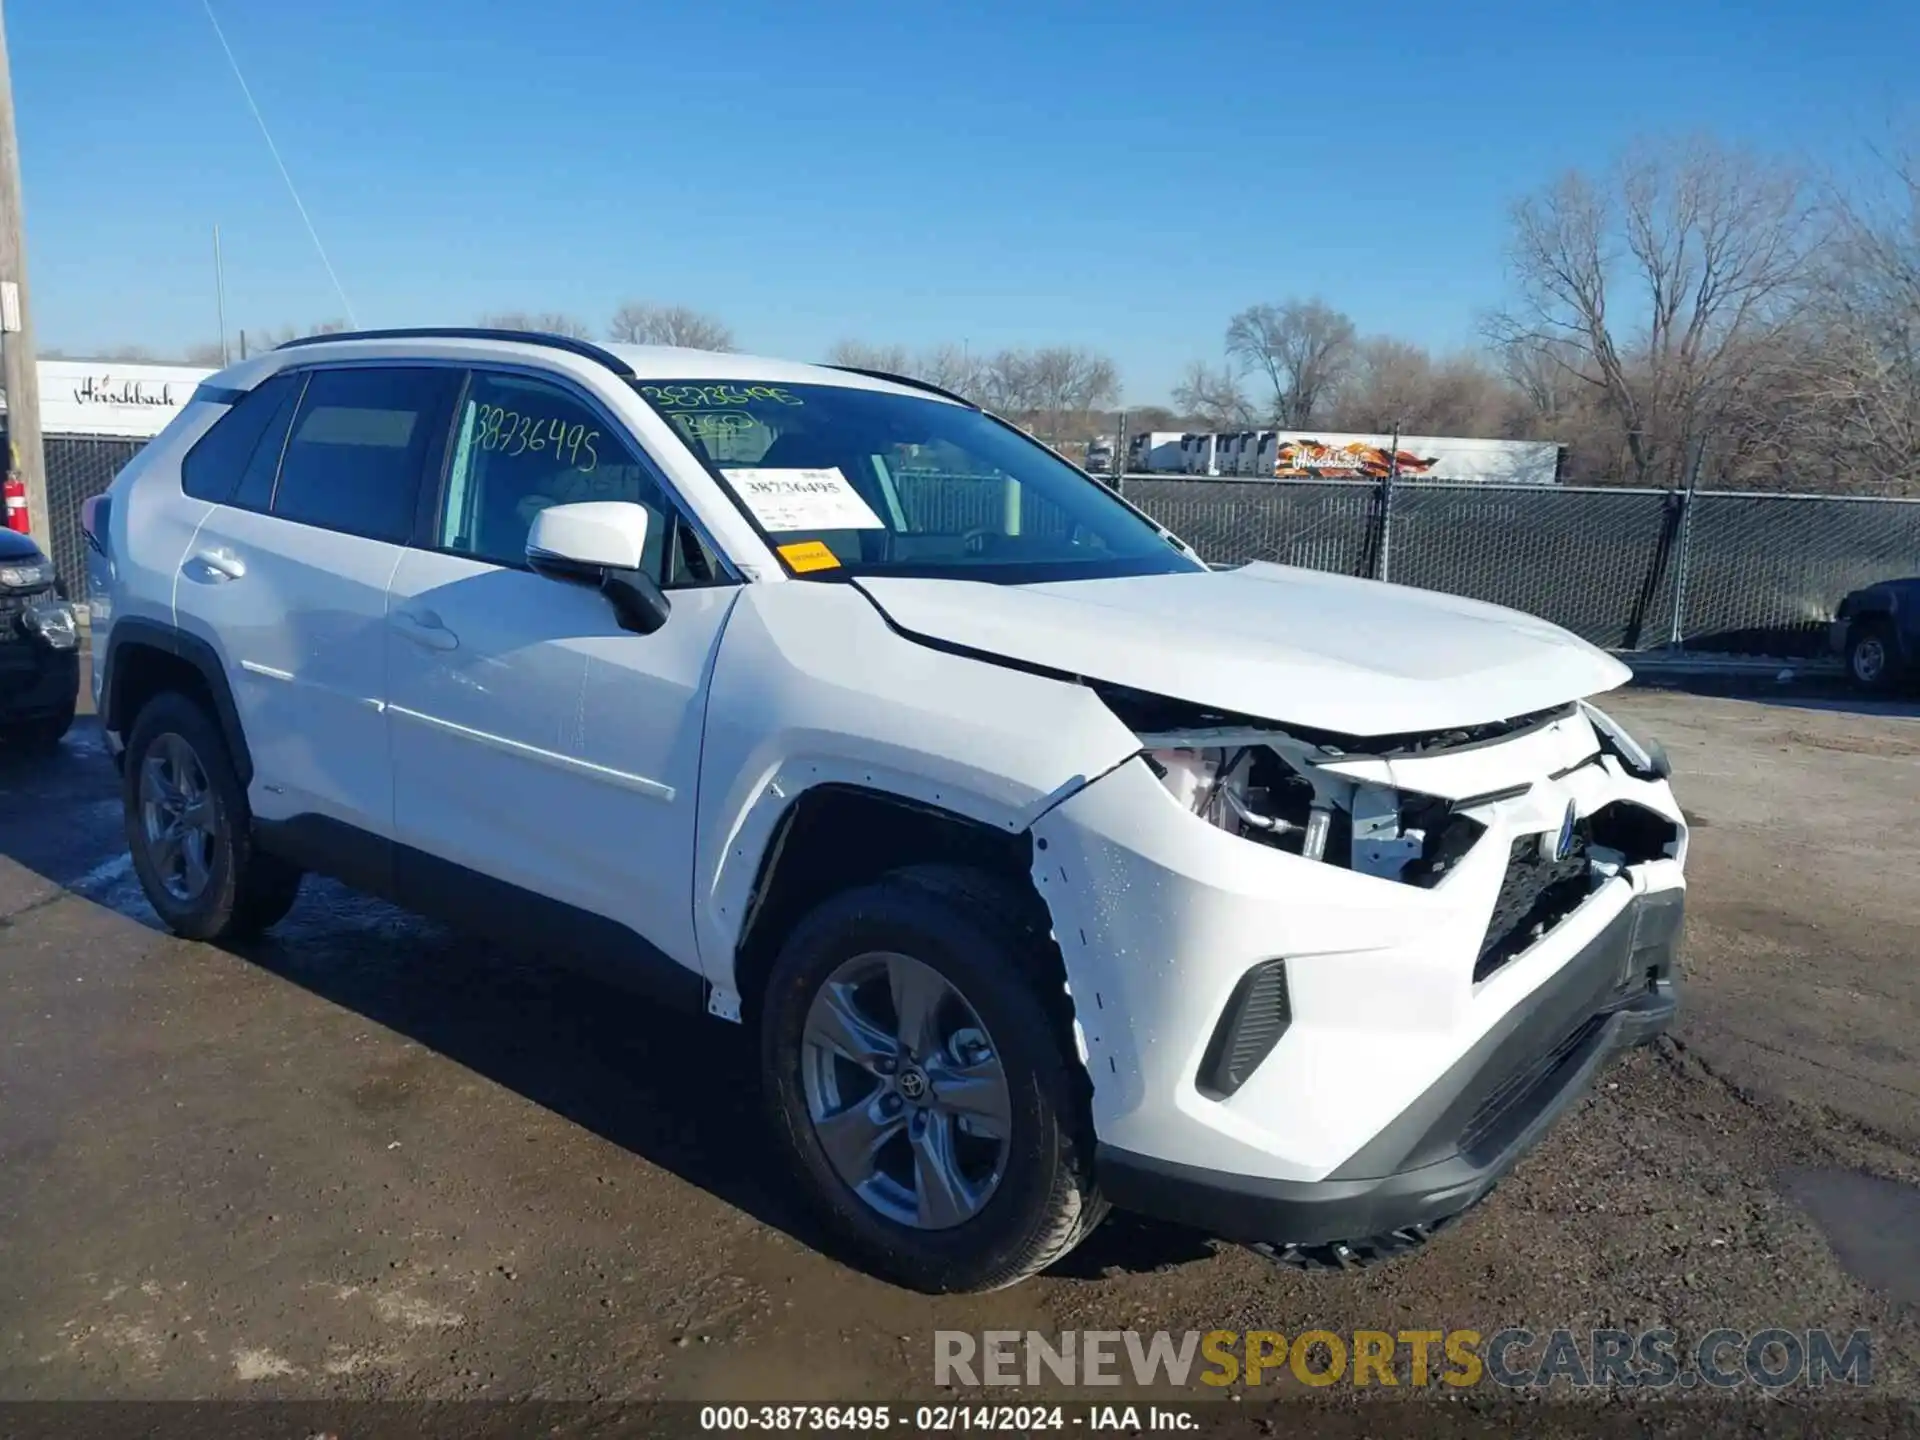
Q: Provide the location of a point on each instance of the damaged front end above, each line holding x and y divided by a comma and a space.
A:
1348, 911
1330, 993
1381, 806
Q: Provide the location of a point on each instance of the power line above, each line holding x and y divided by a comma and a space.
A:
274, 149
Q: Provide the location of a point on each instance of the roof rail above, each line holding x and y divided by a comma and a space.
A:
906, 380
596, 353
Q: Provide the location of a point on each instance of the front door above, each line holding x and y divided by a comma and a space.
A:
541, 753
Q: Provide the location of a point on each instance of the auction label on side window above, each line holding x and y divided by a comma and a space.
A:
789, 500
805, 555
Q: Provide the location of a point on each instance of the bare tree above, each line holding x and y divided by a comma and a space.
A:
1856, 396
1143, 418
1652, 286
857, 355
546, 322
955, 368
1212, 398
206, 353
1065, 384
1006, 383
1304, 348
638, 322
1397, 384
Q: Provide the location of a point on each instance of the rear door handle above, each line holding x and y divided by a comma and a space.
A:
425, 628
220, 565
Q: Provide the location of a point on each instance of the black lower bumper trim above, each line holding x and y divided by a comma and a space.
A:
37, 683
1453, 1144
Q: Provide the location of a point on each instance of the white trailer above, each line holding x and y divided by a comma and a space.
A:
1200, 454
1155, 452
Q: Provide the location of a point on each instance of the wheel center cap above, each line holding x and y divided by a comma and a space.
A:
913, 1083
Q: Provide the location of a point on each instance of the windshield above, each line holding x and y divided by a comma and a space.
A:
846, 481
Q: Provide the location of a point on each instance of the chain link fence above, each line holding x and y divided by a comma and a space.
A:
78, 468
1627, 569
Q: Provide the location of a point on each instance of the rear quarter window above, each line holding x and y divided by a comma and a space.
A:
212, 468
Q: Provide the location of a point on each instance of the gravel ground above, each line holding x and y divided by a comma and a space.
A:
369, 1159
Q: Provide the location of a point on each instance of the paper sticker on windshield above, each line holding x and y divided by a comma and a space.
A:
805, 555
787, 500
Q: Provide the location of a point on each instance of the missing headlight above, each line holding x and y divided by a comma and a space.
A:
1249, 790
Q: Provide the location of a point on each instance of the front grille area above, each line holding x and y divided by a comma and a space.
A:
1536, 894
13, 605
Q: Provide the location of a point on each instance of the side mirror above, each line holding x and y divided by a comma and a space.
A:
602, 543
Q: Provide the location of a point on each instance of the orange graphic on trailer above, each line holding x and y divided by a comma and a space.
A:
1313, 460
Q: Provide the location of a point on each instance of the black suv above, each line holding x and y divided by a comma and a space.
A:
1877, 628
39, 648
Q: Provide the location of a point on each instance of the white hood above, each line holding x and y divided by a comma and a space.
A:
1300, 647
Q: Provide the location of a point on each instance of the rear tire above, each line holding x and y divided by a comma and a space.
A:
190, 832
1001, 999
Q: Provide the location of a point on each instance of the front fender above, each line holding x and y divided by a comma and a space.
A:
811, 687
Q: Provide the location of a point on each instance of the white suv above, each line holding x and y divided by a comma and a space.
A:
1055, 869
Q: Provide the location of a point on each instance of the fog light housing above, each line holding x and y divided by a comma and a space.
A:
1257, 1015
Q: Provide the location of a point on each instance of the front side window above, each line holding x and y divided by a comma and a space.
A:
361, 443
845, 481
523, 444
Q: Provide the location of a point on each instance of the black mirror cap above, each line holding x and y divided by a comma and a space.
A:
640, 603
555, 567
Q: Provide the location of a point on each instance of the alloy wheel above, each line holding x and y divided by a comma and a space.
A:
177, 817
906, 1091
1869, 659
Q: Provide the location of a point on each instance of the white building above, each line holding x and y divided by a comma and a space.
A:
100, 397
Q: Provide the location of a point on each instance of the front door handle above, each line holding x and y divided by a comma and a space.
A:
425, 629
220, 565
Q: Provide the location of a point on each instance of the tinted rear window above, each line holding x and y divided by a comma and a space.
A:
213, 465
361, 443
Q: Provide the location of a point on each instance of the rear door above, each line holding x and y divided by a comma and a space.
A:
288, 580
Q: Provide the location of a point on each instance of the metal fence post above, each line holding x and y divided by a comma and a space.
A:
1684, 550
1383, 551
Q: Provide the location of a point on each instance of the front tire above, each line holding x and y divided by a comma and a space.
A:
190, 832
914, 1055
1870, 657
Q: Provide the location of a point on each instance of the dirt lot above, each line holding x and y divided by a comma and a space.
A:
371, 1159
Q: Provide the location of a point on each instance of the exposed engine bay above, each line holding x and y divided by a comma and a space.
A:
1324, 800
1268, 787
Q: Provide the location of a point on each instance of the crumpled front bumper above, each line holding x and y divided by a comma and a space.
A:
1402, 1085
36, 682
1445, 1151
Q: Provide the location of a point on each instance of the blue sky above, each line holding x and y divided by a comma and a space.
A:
1120, 175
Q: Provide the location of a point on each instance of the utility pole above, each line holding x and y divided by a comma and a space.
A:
25, 459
